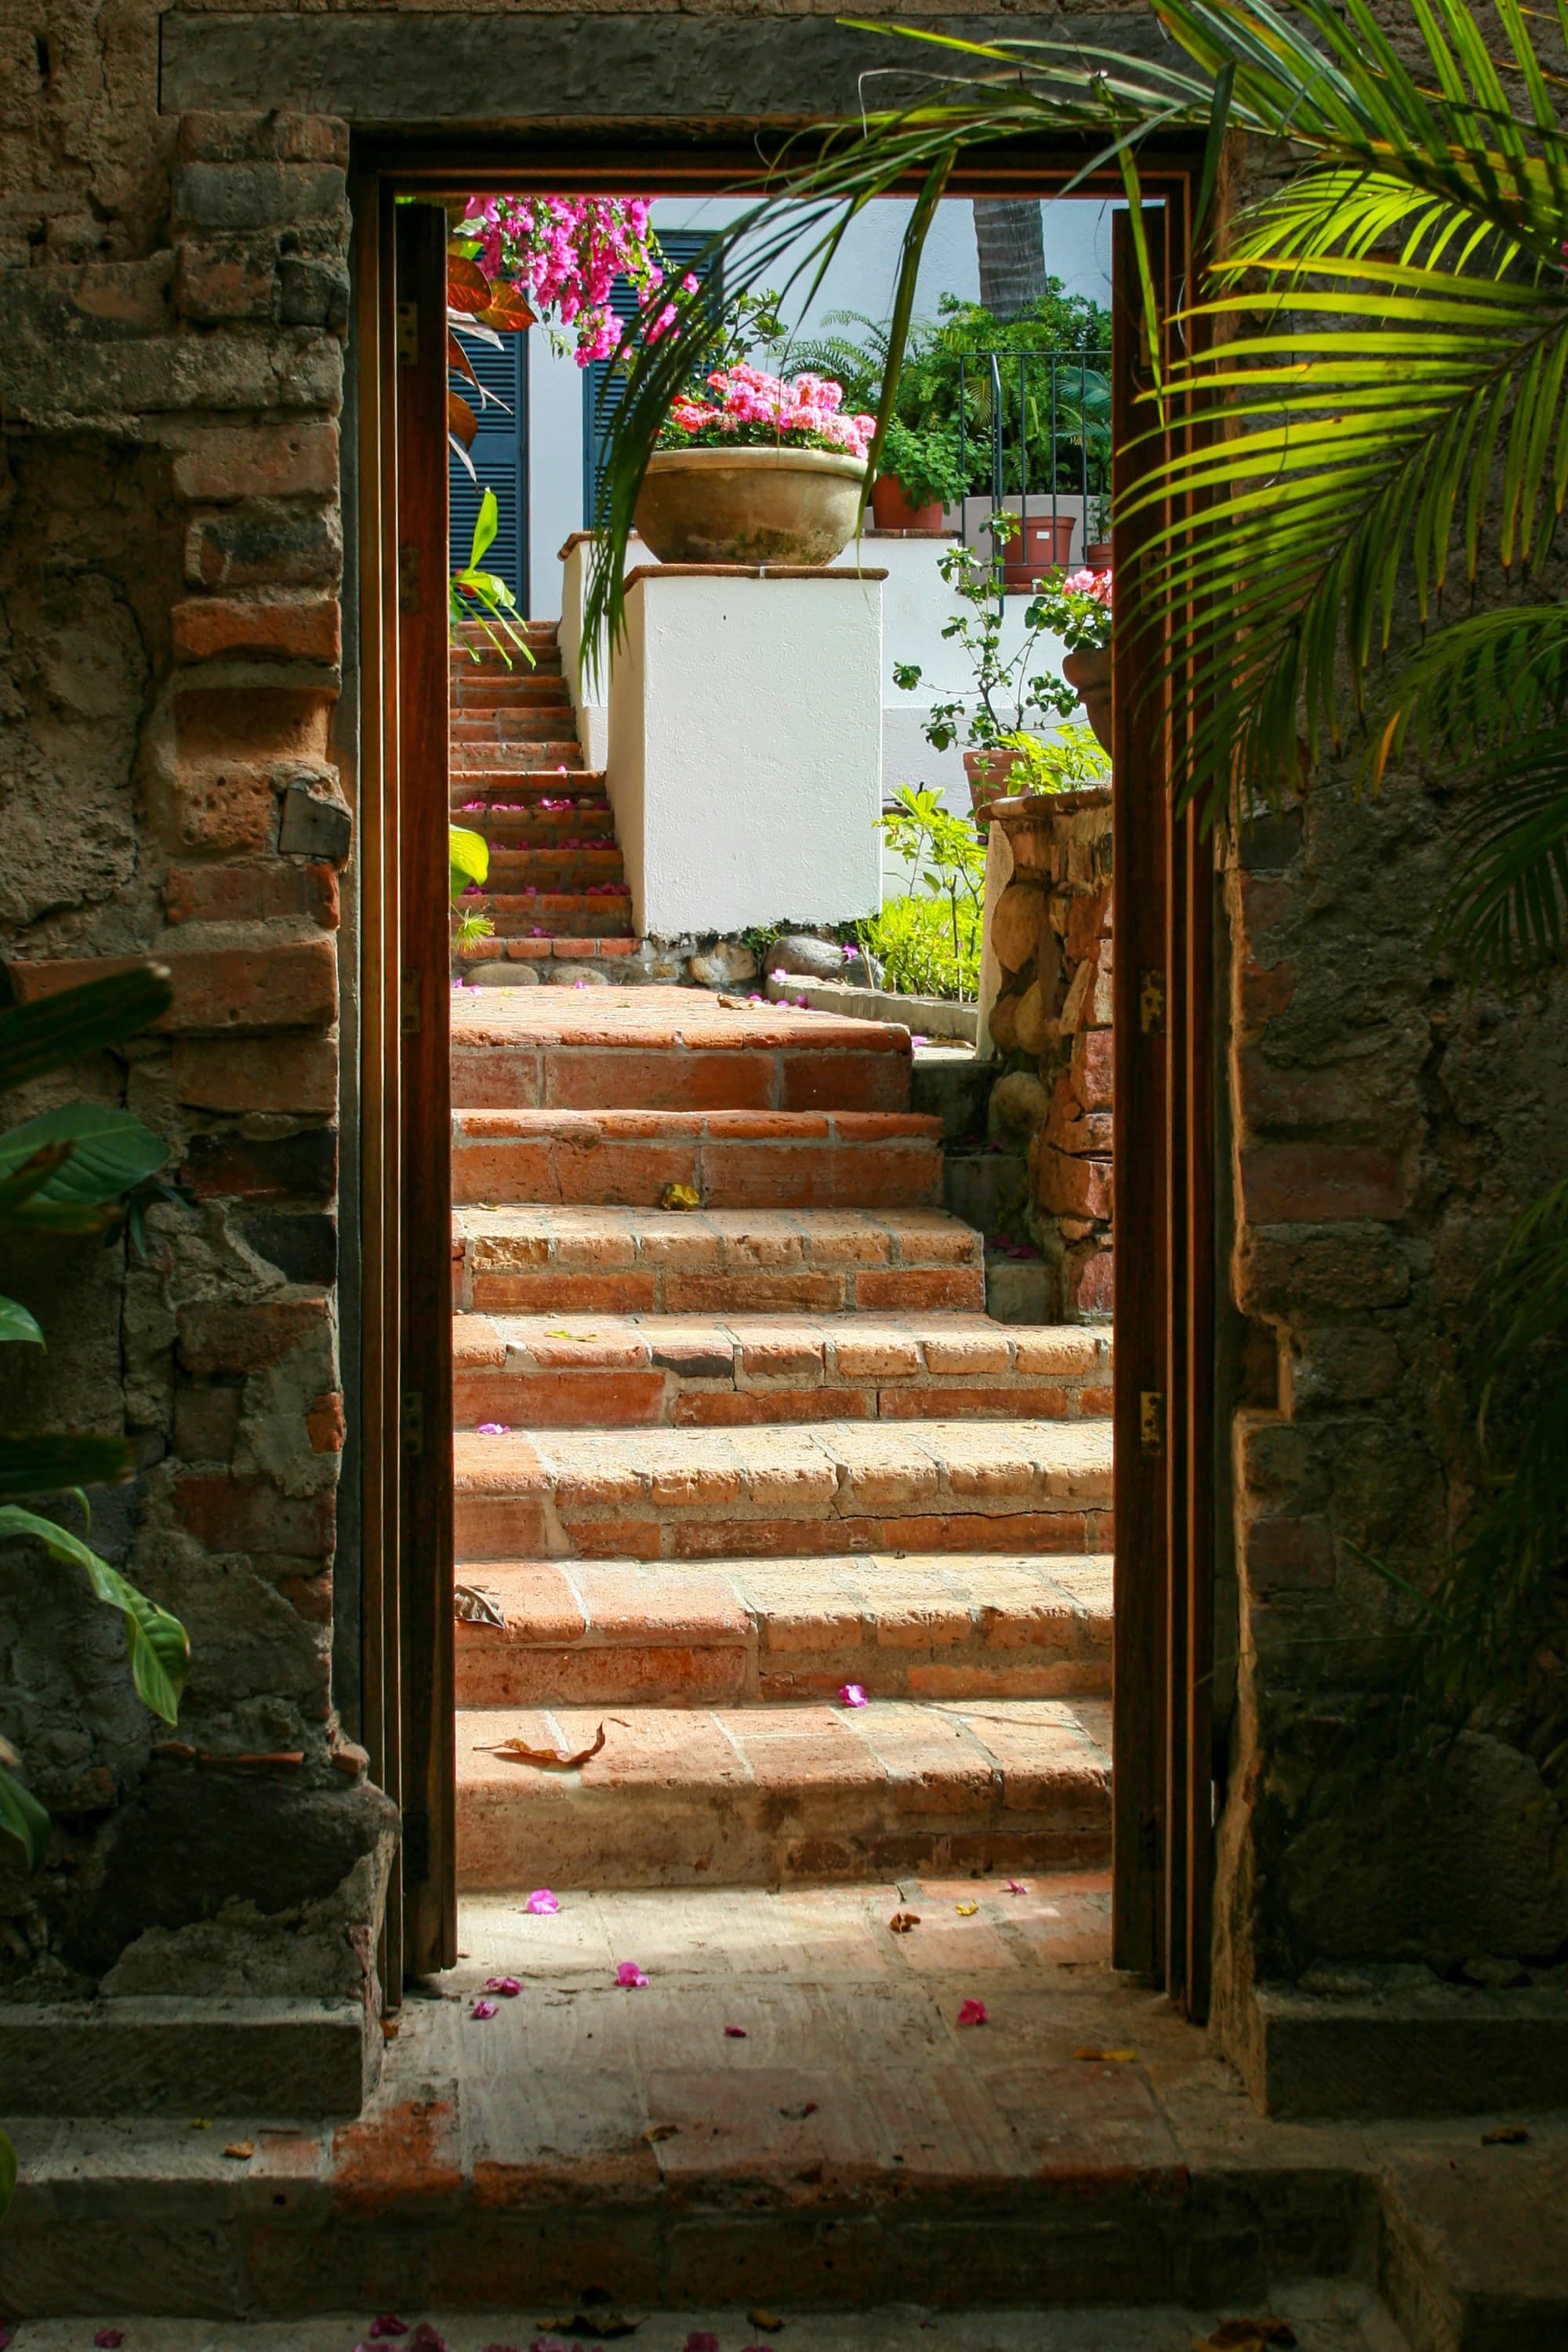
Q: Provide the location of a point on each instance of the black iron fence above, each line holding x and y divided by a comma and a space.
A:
1035, 427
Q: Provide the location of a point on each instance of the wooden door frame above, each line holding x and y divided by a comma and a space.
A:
1163, 898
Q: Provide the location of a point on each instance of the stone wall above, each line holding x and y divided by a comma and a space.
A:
171, 556
1049, 933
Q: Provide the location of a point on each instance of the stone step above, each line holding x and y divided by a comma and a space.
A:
717, 1371
513, 869
555, 756
757, 1796
594, 913
509, 727
475, 695
915, 1626
672, 1049
731, 1158
774, 1491
551, 1259
529, 791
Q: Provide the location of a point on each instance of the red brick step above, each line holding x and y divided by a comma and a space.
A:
732, 1159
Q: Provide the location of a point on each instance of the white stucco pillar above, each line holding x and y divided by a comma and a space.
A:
745, 722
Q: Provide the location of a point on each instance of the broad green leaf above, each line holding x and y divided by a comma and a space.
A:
111, 1151
15, 1323
22, 1818
54, 1466
486, 522
159, 1647
8, 2173
60, 1029
470, 854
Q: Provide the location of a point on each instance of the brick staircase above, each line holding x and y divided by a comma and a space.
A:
715, 1463
557, 884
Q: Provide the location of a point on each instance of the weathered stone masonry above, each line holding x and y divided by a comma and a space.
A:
173, 562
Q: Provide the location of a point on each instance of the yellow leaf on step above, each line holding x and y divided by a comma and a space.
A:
681, 1196
966, 1910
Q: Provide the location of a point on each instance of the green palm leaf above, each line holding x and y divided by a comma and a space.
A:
22, 1818
56, 1466
110, 1151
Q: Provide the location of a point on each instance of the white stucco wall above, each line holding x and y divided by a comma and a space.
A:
745, 750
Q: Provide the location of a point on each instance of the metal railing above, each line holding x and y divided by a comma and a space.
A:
1030, 407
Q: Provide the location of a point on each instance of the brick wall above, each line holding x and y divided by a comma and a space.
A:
171, 571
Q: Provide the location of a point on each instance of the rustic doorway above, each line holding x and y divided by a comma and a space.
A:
1163, 1773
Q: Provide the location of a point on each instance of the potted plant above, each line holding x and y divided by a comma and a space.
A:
1077, 608
1006, 691
1097, 544
919, 476
761, 472
1072, 760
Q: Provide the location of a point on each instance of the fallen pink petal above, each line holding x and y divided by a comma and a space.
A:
629, 1974
507, 1987
734, 2033
493, 1429
702, 2340
972, 2012
1015, 1886
427, 2338
108, 2337
386, 2323
482, 2009
853, 1695
542, 1902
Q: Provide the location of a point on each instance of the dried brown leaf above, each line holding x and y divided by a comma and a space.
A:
548, 1759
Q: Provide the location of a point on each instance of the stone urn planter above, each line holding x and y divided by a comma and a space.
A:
1097, 555
749, 506
1089, 672
892, 509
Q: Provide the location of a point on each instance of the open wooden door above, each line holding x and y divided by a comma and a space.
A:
405, 1188
1162, 1794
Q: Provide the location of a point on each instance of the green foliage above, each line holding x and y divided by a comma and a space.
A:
476, 594
924, 463
1006, 692
1070, 760
948, 863
942, 383
912, 940
468, 857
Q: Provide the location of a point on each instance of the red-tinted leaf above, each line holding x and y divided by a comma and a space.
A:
506, 309
456, 357
461, 419
467, 288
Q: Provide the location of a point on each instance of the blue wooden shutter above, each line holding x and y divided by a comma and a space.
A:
499, 453
603, 389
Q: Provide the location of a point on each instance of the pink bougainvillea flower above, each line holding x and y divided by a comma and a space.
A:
427, 2338
1015, 1886
482, 2009
108, 2339
734, 2033
542, 1902
918, 1038
493, 1429
702, 2340
972, 2012
853, 1695
507, 1987
387, 2323
629, 1974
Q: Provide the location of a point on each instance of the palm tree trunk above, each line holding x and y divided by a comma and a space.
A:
1009, 239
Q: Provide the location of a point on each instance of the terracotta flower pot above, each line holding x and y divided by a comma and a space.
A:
1045, 544
1089, 672
1097, 555
892, 508
749, 506
989, 774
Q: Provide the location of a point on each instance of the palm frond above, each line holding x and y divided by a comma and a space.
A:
1507, 909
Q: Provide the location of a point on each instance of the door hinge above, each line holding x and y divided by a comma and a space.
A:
411, 1423
416, 1847
411, 1016
1151, 1004
407, 335
408, 577
1152, 1420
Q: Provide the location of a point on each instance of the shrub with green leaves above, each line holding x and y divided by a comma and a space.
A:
912, 940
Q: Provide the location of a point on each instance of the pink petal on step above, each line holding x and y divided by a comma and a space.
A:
386, 2323
852, 1694
734, 2033
482, 2009
1014, 1887
629, 1974
108, 2339
542, 1902
702, 2340
507, 1987
972, 2012
493, 1429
